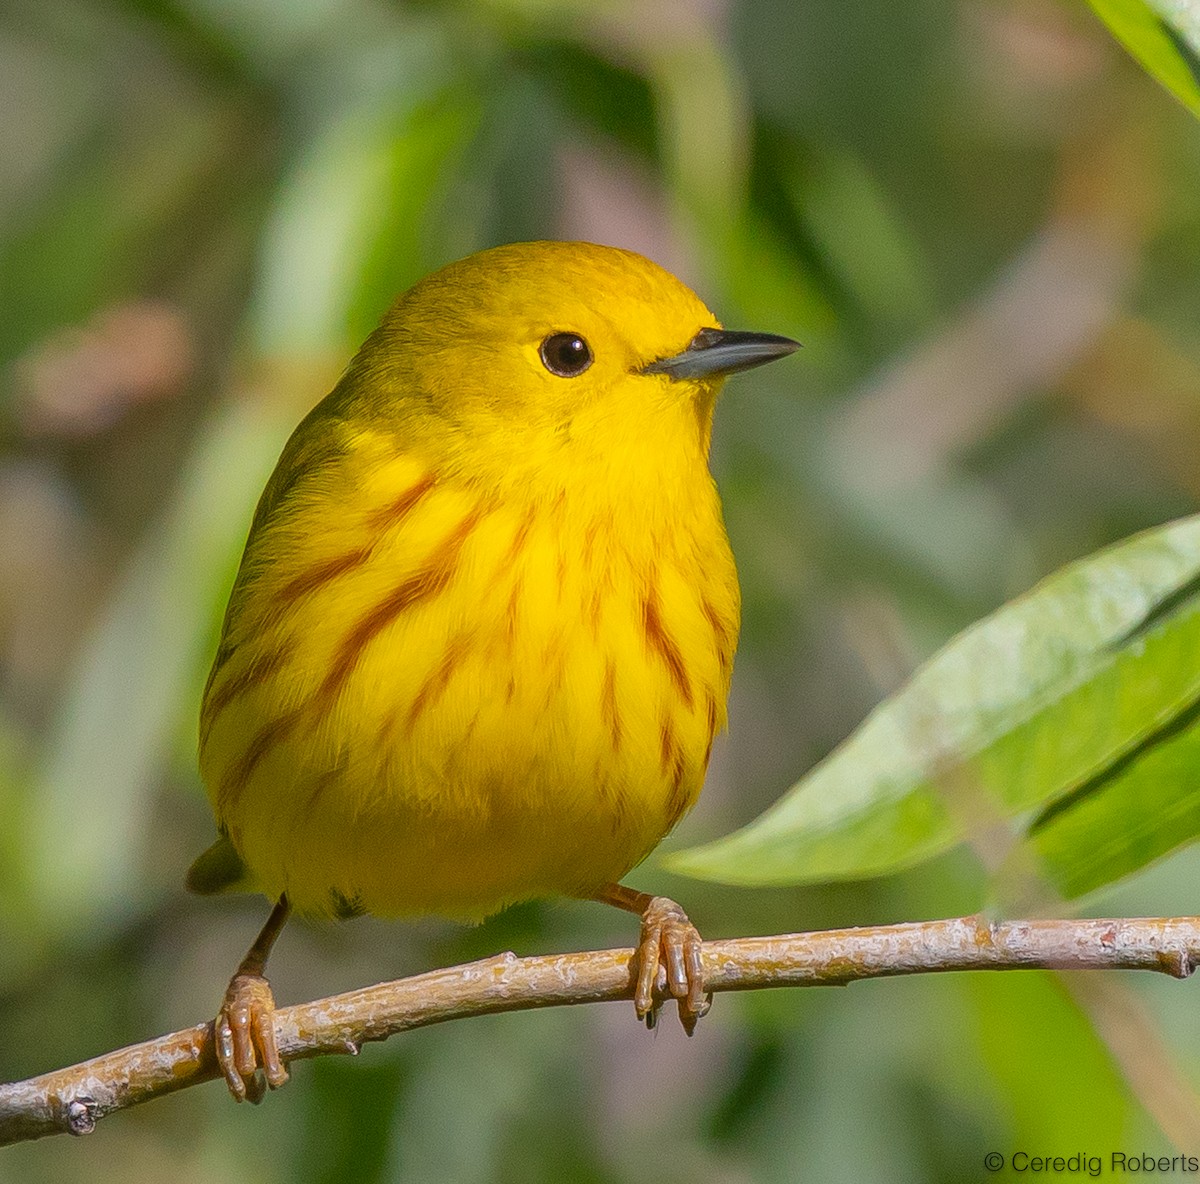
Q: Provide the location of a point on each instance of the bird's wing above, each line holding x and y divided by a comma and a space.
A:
219, 869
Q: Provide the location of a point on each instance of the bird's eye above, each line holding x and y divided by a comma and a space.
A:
565, 354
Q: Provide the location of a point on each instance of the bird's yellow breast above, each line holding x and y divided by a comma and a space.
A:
429, 699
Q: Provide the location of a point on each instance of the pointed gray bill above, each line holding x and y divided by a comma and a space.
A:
723, 351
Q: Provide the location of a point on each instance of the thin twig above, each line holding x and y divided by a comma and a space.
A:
75, 1098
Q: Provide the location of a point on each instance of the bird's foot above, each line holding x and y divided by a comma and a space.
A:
669, 958
244, 1034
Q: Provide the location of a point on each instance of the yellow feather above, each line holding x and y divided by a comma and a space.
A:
483, 629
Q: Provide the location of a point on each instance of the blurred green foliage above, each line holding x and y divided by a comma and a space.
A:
980, 219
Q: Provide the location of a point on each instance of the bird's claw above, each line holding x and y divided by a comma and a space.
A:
244, 1035
669, 959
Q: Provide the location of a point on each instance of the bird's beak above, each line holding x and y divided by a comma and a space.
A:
717, 352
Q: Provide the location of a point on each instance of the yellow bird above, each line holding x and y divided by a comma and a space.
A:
481, 637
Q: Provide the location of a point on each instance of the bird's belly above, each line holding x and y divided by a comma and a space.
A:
483, 749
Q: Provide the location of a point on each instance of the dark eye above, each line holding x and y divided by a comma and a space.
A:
565, 354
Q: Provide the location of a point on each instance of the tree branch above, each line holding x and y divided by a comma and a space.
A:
74, 1098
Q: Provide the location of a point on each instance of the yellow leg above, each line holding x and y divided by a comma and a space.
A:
669, 943
244, 1030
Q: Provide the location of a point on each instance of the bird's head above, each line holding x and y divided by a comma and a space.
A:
552, 344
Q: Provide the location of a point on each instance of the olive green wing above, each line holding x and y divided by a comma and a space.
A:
219, 869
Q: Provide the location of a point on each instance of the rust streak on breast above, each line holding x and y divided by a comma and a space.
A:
418, 588
386, 517
321, 573
257, 671
391, 515
438, 678
266, 738
722, 638
710, 706
608, 704
660, 641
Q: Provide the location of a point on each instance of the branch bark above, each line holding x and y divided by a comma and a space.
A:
73, 1099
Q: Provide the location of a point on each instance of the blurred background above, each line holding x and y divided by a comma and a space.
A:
981, 219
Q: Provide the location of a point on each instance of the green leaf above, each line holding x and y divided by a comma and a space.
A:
1165, 39
1077, 700
1142, 809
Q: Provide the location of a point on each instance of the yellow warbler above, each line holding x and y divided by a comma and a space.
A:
481, 637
